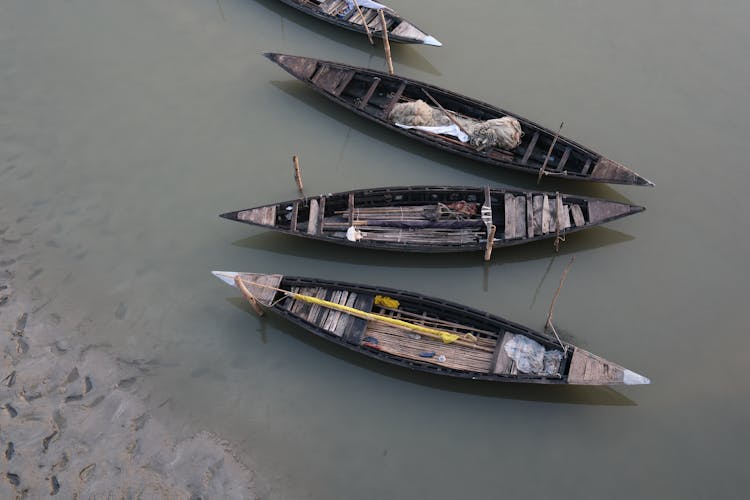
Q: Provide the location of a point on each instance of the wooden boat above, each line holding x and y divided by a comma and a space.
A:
426, 334
373, 94
344, 14
434, 218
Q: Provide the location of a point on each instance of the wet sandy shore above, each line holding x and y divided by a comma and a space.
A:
76, 421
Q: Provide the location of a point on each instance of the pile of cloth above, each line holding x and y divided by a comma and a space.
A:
504, 133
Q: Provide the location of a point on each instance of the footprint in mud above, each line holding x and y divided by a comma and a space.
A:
3, 299
72, 376
13, 479
21, 324
54, 486
10, 379
7, 262
87, 385
9, 408
46, 441
9, 451
125, 383
121, 310
86, 472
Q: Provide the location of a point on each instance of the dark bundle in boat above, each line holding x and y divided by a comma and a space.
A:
425, 333
434, 218
344, 13
375, 95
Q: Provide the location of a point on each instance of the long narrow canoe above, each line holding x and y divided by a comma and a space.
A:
434, 218
373, 94
343, 13
427, 334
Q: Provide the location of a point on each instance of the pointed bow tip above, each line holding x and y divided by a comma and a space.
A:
431, 40
225, 276
632, 378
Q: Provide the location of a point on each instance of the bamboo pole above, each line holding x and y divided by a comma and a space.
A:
453, 120
364, 23
249, 296
490, 239
298, 176
549, 152
386, 43
548, 324
464, 340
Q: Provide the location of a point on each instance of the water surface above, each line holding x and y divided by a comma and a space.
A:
126, 127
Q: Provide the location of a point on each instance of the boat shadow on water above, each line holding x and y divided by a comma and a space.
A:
495, 176
295, 246
404, 54
562, 394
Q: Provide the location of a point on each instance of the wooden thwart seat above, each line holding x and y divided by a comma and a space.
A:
515, 216
501, 363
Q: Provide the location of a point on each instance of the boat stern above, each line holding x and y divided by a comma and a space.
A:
607, 170
299, 67
589, 369
262, 287
604, 211
260, 216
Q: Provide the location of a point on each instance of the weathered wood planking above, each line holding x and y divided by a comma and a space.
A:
589, 369
265, 216
312, 220
262, 286
577, 213
529, 215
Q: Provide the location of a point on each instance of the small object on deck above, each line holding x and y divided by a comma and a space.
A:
382, 300
386, 44
430, 354
298, 176
248, 296
441, 358
371, 340
353, 234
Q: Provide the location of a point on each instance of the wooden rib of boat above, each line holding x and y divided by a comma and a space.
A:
344, 14
434, 218
427, 334
373, 94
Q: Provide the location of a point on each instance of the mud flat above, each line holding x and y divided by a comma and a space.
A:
76, 420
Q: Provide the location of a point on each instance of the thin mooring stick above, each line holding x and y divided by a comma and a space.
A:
548, 325
367, 28
434, 101
549, 152
298, 176
386, 44
490, 240
249, 296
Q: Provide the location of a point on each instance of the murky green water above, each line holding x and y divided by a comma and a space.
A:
126, 127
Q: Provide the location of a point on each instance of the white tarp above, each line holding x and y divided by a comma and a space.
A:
444, 129
531, 356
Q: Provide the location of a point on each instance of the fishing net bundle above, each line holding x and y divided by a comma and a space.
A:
502, 132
